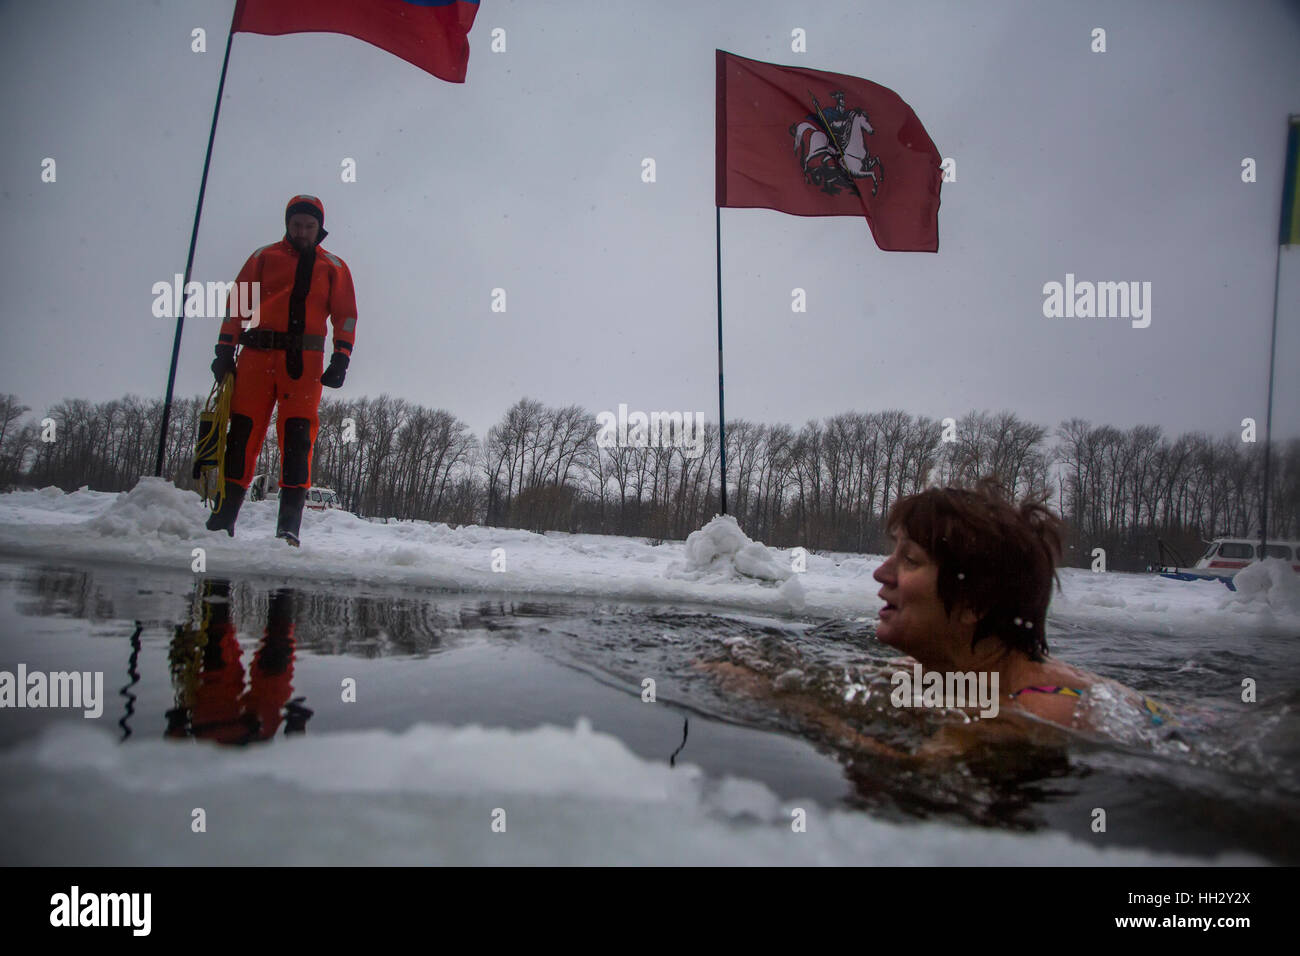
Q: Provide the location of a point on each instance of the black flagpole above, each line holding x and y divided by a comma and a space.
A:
189, 262
1292, 147
1268, 419
722, 418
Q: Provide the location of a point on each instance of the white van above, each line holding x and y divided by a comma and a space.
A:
1227, 556
1224, 557
318, 499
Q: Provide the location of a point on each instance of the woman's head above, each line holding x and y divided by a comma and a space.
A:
968, 558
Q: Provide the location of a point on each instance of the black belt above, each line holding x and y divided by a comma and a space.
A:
266, 339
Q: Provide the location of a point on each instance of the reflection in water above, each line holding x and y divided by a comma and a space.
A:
57, 591
341, 621
686, 726
1003, 786
133, 672
208, 676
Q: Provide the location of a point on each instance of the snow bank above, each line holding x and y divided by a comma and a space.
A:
158, 525
720, 551
1125, 602
1267, 584
429, 794
52, 506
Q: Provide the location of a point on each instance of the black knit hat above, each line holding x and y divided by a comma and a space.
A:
312, 207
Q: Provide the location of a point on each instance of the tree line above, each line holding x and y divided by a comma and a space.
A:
825, 486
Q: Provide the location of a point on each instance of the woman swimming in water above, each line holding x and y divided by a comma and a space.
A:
966, 590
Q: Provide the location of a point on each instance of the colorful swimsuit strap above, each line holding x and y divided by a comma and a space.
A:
1157, 712
1049, 689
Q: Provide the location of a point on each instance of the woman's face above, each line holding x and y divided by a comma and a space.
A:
913, 619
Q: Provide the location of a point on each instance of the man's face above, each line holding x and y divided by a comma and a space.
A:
302, 230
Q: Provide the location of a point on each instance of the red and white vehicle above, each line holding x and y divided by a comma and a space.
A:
1224, 557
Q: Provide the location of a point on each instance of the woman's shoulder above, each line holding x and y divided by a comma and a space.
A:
1077, 698
1052, 691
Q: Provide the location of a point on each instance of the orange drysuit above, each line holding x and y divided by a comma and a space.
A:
269, 373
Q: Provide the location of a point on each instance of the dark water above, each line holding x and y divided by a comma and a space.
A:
247, 662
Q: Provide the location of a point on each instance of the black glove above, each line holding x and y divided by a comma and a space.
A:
223, 363
333, 376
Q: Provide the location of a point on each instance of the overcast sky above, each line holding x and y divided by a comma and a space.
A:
1115, 166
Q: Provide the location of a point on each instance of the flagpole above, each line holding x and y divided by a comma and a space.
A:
189, 261
1268, 419
722, 418
1272, 343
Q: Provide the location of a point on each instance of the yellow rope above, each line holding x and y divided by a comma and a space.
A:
213, 445
186, 656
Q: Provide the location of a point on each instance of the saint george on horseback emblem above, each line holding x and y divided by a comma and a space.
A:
831, 146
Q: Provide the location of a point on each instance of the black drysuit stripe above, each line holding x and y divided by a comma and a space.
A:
298, 310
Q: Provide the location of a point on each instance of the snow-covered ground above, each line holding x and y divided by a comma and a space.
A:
159, 525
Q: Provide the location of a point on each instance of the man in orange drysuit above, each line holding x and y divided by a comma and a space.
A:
282, 360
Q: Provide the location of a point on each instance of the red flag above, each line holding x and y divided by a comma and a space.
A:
430, 34
812, 143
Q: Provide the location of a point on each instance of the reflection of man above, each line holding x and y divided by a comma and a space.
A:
281, 361
208, 677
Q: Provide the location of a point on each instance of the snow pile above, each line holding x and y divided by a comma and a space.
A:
1269, 583
431, 794
153, 506
720, 551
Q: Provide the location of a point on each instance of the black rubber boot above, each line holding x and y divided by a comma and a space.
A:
290, 521
223, 519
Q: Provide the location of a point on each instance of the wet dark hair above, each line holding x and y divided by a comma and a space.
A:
995, 558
